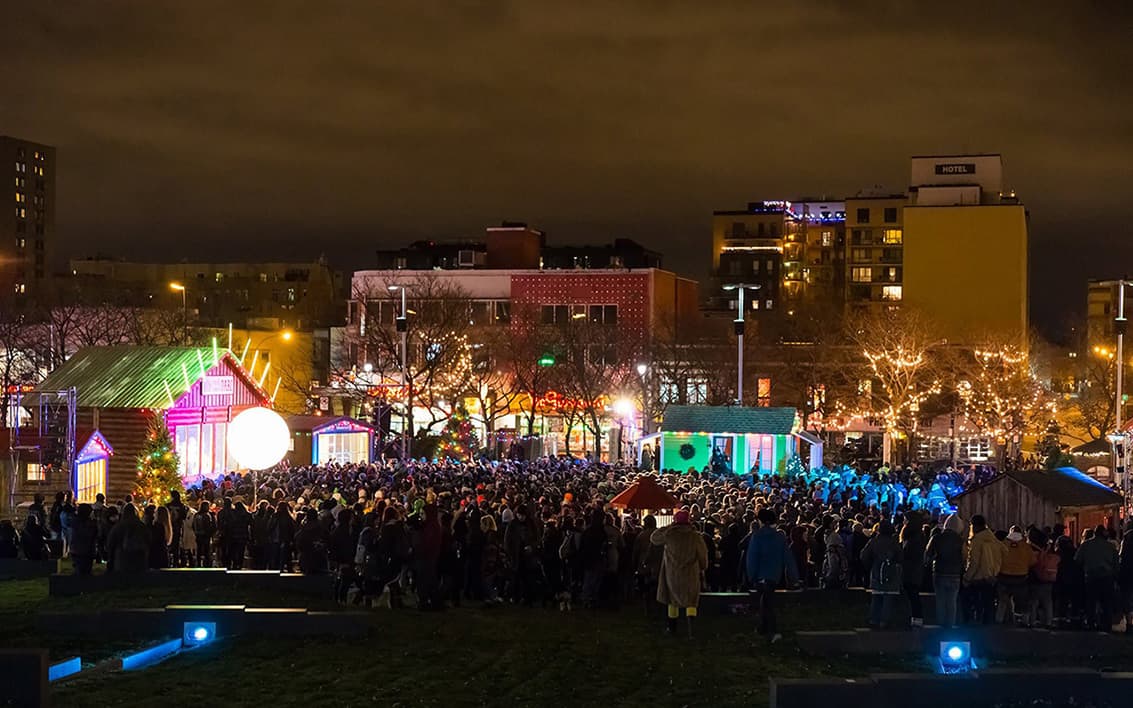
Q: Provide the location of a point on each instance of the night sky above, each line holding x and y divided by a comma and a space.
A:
282, 130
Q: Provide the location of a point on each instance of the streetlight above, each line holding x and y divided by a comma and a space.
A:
1120, 324
642, 370
403, 327
741, 316
178, 287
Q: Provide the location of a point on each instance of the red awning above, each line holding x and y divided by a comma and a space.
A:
645, 493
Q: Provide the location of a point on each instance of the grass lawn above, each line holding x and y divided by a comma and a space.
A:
468, 656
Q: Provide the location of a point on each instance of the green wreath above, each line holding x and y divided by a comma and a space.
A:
688, 451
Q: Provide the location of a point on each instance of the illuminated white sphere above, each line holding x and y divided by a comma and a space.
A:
258, 438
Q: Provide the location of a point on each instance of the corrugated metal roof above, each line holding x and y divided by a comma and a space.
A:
128, 376
729, 419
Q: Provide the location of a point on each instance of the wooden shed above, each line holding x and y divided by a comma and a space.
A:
1042, 498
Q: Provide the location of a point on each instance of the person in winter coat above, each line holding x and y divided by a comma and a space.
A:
521, 546
1125, 576
912, 566
282, 533
1098, 560
128, 543
647, 562
882, 555
236, 535
985, 558
426, 541
945, 553
84, 537
33, 540
683, 564
1018, 560
188, 538
836, 564
1043, 576
9, 540
310, 544
204, 526
341, 550
178, 512
261, 535
767, 562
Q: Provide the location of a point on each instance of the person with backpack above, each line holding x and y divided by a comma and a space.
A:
882, 555
204, 526
1043, 576
836, 563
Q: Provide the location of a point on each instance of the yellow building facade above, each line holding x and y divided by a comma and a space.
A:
965, 267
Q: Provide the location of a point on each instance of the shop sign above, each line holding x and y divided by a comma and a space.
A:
956, 168
217, 386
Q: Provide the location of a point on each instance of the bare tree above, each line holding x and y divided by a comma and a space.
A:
438, 355
1000, 394
1090, 415
900, 374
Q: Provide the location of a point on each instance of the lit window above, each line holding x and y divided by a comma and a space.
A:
827, 238
891, 292
36, 472
263, 277
892, 236
219, 277
755, 304
861, 275
21, 288
767, 304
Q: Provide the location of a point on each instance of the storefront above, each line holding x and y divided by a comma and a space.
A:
92, 465
321, 440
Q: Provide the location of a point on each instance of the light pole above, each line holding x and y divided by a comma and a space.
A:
403, 327
741, 317
178, 287
646, 412
1120, 324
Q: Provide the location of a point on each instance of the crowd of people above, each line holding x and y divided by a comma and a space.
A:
541, 532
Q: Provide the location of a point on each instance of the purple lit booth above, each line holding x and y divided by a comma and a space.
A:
323, 440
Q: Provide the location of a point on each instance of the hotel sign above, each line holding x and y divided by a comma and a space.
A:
217, 386
956, 168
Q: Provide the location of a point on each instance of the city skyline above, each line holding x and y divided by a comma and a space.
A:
262, 142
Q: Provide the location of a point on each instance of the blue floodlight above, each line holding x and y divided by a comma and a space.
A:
955, 657
198, 633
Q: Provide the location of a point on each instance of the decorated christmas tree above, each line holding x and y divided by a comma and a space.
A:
458, 439
157, 465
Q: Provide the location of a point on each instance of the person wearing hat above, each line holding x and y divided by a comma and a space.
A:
767, 563
683, 563
1018, 559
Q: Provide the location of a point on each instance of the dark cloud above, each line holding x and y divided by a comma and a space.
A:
295, 128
